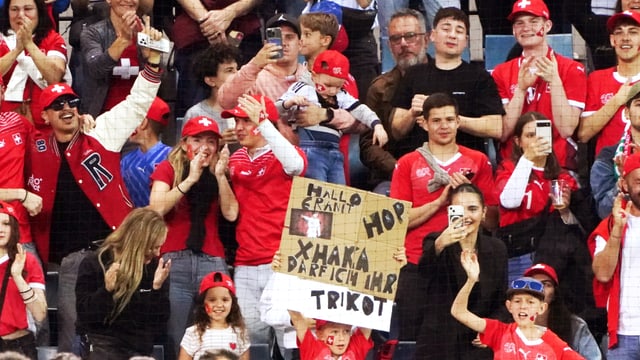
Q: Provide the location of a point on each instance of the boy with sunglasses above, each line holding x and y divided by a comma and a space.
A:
522, 338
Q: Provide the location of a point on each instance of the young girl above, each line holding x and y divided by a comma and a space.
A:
218, 322
21, 286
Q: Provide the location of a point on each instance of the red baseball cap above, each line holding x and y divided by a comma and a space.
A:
544, 269
272, 112
159, 112
52, 92
215, 279
332, 63
613, 20
200, 124
533, 7
631, 163
6, 208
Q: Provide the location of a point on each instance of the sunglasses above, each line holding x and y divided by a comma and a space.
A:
527, 284
58, 104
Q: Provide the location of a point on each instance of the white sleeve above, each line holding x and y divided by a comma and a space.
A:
513, 192
190, 342
114, 127
292, 162
270, 312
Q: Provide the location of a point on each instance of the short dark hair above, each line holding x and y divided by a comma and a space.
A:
436, 101
207, 62
451, 12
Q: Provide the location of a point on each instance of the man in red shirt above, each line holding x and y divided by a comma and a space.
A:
261, 174
426, 184
540, 80
608, 88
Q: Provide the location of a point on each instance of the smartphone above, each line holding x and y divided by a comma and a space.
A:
455, 212
543, 130
234, 37
274, 36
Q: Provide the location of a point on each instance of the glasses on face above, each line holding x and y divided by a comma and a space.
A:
410, 38
58, 104
527, 284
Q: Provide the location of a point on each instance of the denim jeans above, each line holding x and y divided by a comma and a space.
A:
628, 348
326, 162
67, 315
187, 271
250, 282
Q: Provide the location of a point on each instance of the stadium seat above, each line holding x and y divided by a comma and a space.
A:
259, 351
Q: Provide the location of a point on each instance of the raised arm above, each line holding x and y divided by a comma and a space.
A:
606, 260
459, 309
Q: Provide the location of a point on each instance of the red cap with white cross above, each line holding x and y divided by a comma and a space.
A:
532, 7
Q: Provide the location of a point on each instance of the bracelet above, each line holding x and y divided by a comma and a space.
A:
26, 193
330, 116
26, 291
153, 64
181, 192
31, 299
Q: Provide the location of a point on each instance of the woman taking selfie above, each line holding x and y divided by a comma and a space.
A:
22, 288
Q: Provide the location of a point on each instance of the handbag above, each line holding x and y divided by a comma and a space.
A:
187, 31
524, 236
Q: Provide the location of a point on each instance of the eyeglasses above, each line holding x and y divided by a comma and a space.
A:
58, 104
527, 284
410, 38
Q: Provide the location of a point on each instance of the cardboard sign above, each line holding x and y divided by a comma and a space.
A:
344, 236
334, 303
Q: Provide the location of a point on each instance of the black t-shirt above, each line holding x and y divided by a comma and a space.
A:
75, 222
471, 86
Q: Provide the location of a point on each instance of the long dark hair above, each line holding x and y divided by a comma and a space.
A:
44, 21
551, 167
467, 188
559, 318
12, 244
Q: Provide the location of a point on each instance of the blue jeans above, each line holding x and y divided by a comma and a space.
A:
518, 265
187, 271
628, 348
325, 161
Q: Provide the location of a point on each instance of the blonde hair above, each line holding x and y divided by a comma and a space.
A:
178, 159
128, 245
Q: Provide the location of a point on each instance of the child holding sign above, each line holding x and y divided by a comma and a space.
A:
333, 341
525, 302
218, 322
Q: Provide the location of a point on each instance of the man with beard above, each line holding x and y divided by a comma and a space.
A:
408, 43
614, 245
472, 87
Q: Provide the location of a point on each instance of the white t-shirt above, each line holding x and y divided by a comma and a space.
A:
214, 339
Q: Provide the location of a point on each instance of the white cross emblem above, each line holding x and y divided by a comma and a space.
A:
125, 70
337, 70
524, 3
206, 122
57, 88
17, 139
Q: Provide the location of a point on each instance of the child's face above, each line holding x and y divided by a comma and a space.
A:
217, 303
312, 42
525, 308
336, 336
327, 85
